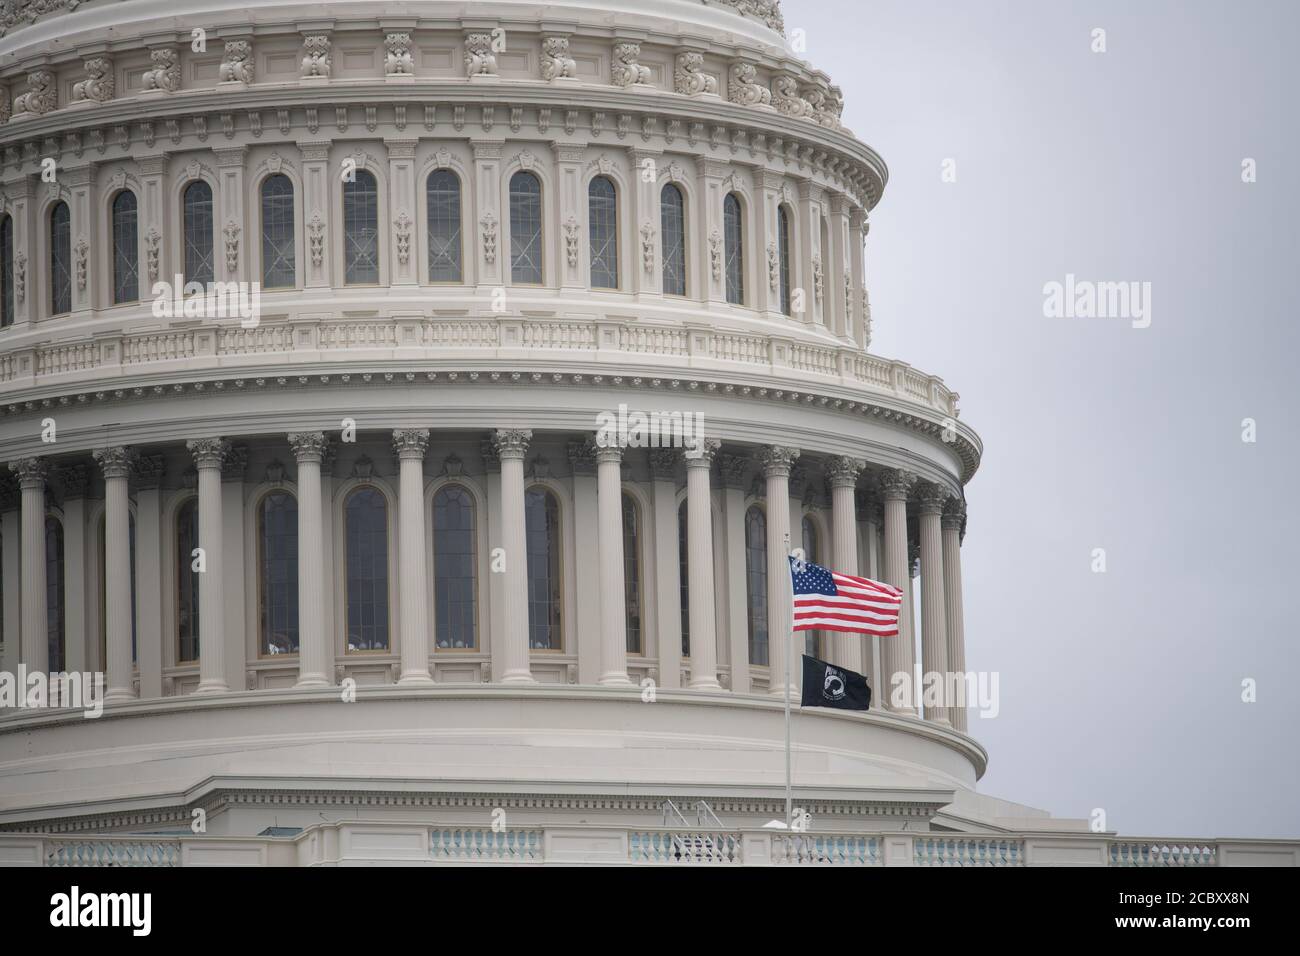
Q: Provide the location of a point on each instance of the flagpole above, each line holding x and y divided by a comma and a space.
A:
789, 812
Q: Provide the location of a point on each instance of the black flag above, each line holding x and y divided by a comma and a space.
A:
825, 685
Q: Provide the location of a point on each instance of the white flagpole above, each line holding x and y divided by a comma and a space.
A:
789, 811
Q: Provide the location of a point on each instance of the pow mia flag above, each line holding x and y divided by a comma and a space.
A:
825, 685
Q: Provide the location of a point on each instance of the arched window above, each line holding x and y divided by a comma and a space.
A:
442, 196
810, 638
55, 595
632, 575
279, 258
783, 256
361, 230
365, 520
756, 583
672, 226
6, 271
198, 225
277, 573
525, 229
684, 578
455, 569
126, 249
103, 585
187, 582
602, 232
542, 536
733, 256
60, 259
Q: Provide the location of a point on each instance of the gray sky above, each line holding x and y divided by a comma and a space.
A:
1120, 690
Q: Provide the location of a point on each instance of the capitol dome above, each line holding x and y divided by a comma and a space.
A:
364, 576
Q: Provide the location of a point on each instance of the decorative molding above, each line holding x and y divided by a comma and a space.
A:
556, 63
237, 62
42, 94
397, 55
402, 225
648, 246
99, 84
316, 55
689, 78
489, 231
744, 87
625, 70
479, 58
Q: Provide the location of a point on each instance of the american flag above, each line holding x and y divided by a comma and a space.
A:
826, 600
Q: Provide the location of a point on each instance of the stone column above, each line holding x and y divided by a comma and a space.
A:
699, 544
80, 652
760, 234
116, 463
570, 161
405, 266
512, 445
708, 240
10, 572
953, 523
233, 470
27, 263
869, 522
613, 603
934, 619
147, 476
846, 649
732, 471
410, 444
490, 240
853, 312
317, 183
586, 534
777, 461
313, 641
155, 261
35, 646
80, 181
807, 240
646, 221
896, 652
231, 251
835, 264
668, 585
208, 455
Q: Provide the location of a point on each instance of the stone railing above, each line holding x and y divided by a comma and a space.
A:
97, 361
357, 842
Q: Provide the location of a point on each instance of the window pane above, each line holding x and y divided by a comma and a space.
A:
366, 529
6, 271
672, 215
187, 582
198, 233
455, 573
525, 229
277, 541
126, 249
361, 230
756, 583
55, 606
278, 255
602, 217
60, 259
542, 533
444, 226
683, 573
733, 254
783, 255
632, 574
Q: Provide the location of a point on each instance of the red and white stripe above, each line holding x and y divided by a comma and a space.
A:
862, 606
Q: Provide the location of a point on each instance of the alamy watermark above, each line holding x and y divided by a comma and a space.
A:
635, 429
211, 300
1085, 299
64, 689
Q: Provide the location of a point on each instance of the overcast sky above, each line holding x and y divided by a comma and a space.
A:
1120, 690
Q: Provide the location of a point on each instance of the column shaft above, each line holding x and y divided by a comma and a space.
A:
35, 647
934, 624
777, 462
412, 598
952, 523
313, 641
511, 446
613, 603
699, 565
846, 649
208, 456
117, 572
896, 652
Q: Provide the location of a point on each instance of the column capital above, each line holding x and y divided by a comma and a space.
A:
511, 443
663, 464
954, 515
307, 447
701, 453
843, 472
31, 472
208, 452
896, 484
410, 444
777, 460
931, 497
116, 462
582, 456
732, 470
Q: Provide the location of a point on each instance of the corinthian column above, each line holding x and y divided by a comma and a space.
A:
35, 638
116, 463
777, 461
410, 444
511, 445
613, 599
846, 649
896, 652
313, 641
953, 522
934, 622
699, 566
208, 454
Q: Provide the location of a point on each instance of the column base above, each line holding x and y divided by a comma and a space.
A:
518, 677
116, 695
706, 684
422, 678
614, 680
311, 680
212, 687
